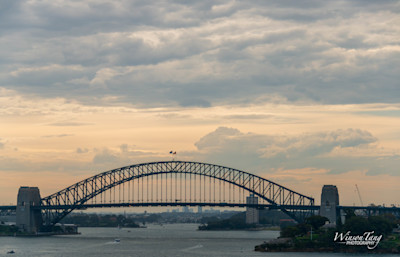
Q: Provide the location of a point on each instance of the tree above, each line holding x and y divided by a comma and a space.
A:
381, 225
291, 231
316, 221
357, 225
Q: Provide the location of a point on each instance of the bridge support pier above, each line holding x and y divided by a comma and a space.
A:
29, 220
329, 203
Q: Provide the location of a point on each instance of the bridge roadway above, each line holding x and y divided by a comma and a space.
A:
8, 208
241, 205
192, 204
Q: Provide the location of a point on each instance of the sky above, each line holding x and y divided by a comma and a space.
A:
301, 93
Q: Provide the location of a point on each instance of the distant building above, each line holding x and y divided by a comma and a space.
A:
6, 218
211, 210
252, 214
199, 209
185, 209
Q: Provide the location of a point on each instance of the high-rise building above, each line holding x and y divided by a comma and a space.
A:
252, 215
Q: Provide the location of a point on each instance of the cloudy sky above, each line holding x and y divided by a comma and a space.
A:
304, 94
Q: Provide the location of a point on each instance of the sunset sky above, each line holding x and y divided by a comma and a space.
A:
301, 93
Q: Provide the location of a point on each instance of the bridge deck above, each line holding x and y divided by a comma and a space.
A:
8, 207
241, 205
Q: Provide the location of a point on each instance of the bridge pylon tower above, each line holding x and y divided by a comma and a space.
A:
29, 219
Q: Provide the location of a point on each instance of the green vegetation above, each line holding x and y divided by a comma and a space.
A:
313, 236
238, 221
109, 220
6, 230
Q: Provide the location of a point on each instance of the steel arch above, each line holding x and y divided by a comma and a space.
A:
78, 194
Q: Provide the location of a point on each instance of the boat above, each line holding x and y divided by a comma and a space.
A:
117, 240
10, 252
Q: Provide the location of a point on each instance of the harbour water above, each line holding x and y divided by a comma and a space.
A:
170, 240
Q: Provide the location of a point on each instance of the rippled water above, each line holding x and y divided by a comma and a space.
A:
154, 241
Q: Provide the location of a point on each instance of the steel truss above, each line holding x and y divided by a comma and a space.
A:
75, 196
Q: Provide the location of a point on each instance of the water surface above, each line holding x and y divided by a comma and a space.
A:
171, 240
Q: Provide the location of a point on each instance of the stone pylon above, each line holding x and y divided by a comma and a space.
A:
29, 220
329, 203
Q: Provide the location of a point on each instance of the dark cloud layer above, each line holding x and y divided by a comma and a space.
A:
202, 53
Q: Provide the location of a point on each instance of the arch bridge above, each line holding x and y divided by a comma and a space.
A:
172, 183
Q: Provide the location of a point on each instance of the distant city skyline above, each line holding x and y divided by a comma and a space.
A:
303, 94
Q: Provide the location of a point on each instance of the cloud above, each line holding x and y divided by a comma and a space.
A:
59, 135
270, 146
68, 124
124, 148
108, 158
82, 150
201, 54
249, 116
382, 113
105, 157
338, 151
53, 165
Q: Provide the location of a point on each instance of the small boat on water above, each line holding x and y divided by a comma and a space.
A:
10, 252
117, 240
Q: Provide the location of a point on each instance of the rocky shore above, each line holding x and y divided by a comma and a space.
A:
300, 245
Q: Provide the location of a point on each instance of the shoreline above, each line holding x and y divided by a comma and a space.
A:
287, 245
38, 234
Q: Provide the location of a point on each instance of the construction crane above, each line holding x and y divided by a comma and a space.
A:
359, 195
